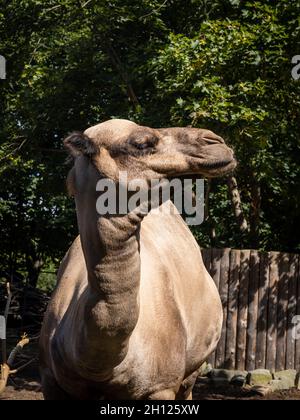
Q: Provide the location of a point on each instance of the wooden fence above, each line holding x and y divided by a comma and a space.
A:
260, 294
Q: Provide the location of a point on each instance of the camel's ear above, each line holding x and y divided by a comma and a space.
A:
78, 143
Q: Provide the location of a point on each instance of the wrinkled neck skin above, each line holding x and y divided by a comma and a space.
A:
111, 308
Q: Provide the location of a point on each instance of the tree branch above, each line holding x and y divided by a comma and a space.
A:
124, 76
206, 206
14, 151
153, 11
237, 204
5, 368
86, 3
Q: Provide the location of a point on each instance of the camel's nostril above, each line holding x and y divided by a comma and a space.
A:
212, 138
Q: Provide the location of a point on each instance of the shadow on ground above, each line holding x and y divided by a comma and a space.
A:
27, 387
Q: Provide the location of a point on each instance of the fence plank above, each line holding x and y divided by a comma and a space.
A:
216, 257
272, 311
242, 310
292, 311
233, 295
206, 258
282, 306
261, 342
260, 294
223, 290
252, 310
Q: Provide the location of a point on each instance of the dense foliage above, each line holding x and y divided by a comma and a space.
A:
224, 65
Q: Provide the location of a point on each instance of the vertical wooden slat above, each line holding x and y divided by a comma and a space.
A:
292, 311
282, 306
297, 342
261, 342
260, 294
206, 255
272, 311
216, 256
252, 310
216, 265
233, 295
223, 290
242, 310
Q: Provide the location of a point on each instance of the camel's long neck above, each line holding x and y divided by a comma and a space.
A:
112, 256
111, 248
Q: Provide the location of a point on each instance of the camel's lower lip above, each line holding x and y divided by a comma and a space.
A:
223, 168
208, 170
217, 164
220, 166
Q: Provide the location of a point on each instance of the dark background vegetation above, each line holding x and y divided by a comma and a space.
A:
223, 65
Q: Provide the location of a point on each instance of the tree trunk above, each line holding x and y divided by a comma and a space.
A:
206, 208
237, 205
34, 265
123, 74
212, 230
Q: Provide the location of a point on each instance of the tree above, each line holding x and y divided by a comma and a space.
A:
223, 65
231, 73
66, 71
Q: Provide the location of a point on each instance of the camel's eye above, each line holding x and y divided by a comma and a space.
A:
145, 143
142, 146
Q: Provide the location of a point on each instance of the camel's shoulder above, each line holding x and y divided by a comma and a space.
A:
73, 257
166, 229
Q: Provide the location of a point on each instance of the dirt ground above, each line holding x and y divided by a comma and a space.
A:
204, 392
26, 384
27, 387
21, 390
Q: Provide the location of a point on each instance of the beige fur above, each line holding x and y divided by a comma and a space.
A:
134, 313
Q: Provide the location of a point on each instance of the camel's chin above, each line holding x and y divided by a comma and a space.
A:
212, 170
220, 171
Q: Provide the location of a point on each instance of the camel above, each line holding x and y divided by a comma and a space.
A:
135, 313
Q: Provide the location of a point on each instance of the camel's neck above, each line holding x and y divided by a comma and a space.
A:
111, 249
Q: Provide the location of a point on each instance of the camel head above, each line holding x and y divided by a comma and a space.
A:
148, 153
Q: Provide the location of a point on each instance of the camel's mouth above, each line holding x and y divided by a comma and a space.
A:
218, 168
209, 169
201, 169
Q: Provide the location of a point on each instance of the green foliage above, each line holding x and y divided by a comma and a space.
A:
224, 65
232, 74
47, 277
